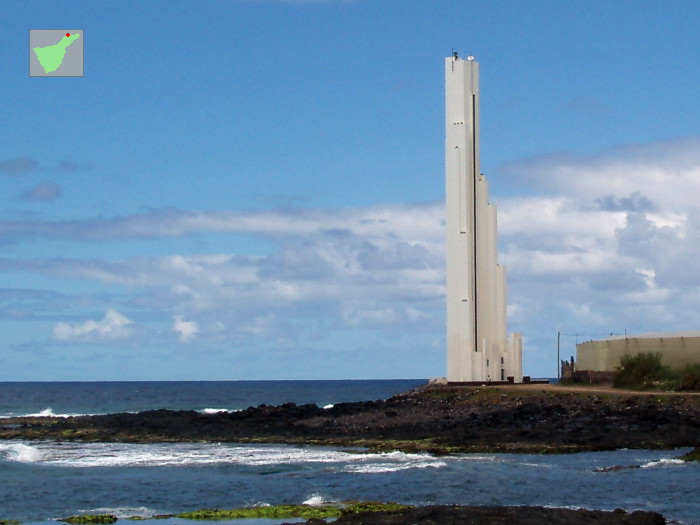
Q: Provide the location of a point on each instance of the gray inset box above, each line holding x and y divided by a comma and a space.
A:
71, 64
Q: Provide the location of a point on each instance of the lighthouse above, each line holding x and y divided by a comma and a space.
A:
478, 346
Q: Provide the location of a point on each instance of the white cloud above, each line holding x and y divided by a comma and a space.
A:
607, 242
186, 330
420, 221
666, 173
603, 242
113, 326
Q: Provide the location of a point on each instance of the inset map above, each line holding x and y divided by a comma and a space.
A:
56, 52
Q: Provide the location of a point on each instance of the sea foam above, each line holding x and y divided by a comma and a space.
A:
123, 512
95, 455
315, 500
664, 462
47, 412
392, 462
20, 453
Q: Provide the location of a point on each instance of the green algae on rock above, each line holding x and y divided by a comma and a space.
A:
288, 511
693, 455
90, 519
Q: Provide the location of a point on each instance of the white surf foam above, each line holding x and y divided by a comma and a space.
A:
392, 462
20, 452
47, 412
96, 455
664, 462
214, 410
88, 455
481, 458
329, 406
122, 512
315, 500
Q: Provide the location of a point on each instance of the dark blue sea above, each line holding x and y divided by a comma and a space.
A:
44, 481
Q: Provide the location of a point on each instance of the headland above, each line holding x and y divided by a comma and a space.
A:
438, 419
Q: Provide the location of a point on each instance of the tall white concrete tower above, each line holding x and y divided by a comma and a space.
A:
478, 348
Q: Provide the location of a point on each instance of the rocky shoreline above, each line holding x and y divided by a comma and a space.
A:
437, 419
478, 515
371, 513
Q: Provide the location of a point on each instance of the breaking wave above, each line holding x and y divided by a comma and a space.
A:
47, 412
20, 453
392, 462
316, 500
663, 462
95, 455
215, 410
122, 512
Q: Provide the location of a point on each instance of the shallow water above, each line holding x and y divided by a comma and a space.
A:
47, 480
42, 481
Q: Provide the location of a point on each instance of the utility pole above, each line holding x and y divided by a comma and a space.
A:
558, 358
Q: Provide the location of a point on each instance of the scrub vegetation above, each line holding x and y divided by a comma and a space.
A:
645, 370
689, 378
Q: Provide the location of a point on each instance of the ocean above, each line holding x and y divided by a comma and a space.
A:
44, 481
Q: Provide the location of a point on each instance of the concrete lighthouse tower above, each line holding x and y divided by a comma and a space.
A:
478, 347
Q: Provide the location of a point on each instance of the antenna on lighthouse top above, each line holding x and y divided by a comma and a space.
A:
455, 54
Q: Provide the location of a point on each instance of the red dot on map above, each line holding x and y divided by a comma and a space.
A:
67, 34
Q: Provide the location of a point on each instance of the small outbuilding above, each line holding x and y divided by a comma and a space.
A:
677, 349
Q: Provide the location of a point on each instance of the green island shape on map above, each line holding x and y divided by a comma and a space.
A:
51, 57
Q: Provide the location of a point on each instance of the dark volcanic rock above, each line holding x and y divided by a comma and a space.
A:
436, 419
447, 515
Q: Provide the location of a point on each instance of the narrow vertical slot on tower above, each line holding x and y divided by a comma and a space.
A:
474, 239
462, 197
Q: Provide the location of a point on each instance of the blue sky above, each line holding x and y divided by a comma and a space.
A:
254, 189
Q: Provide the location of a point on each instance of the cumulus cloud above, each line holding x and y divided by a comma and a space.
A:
113, 326
186, 330
665, 172
392, 251
46, 191
599, 242
634, 202
607, 241
329, 271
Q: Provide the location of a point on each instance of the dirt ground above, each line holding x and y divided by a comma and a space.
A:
593, 389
